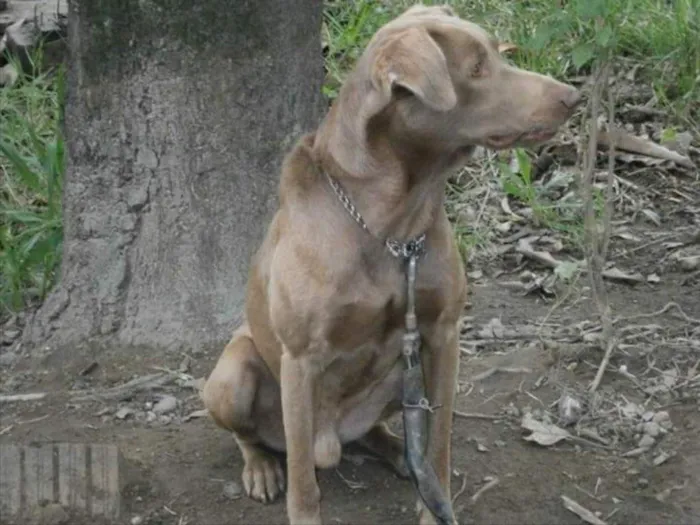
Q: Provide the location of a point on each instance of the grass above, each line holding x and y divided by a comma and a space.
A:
661, 37
31, 174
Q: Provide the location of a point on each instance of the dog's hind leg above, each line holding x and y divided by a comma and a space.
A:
242, 397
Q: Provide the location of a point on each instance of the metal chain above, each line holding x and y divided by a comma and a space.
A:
400, 250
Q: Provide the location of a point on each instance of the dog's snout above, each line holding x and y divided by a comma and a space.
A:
571, 98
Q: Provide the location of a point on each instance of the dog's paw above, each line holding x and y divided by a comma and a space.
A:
263, 478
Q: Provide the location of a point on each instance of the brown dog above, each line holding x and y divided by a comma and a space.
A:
318, 362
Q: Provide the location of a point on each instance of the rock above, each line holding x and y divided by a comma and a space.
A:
689, 264
150, 417
570, 410
8, 75
646, 441
652, 429
643, 483
11, 334
165, 404
137, 520
648, 416
123, 413
8, 359
664, 420
232, 490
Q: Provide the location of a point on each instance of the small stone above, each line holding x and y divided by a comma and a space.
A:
662, 458
653, 278
481, 448
632, 472
165, 419
404, 510
570, 410
646, 441
8, 359
689, 264
150, 417
648, 415
499, 443
643, 483
123, 413
165, 405
232, 490
661, 416
652, 429
512, 410
148, 405
11, 335
137, 520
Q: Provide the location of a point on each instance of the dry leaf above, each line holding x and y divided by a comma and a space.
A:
618, 275
652, 216
545, 434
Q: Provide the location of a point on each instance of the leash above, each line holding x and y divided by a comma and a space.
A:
416, 405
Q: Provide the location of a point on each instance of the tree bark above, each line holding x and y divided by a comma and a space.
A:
178, 114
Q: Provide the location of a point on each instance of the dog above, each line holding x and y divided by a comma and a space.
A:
318, 361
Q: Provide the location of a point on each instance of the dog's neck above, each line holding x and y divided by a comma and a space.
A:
396, 185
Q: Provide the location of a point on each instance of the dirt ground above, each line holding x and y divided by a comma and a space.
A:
177, 469
530, 348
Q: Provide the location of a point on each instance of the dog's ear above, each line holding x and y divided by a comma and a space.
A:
411, 59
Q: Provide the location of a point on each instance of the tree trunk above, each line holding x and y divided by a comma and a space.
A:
177, 118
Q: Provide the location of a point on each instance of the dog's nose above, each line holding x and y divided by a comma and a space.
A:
572, 98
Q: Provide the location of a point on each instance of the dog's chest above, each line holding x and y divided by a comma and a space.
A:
371, 307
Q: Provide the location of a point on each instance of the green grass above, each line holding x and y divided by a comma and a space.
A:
31, 174
662, 37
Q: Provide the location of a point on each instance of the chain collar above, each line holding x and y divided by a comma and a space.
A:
401, 250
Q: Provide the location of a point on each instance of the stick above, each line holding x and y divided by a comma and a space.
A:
627, 142
583, 513
475, 415
22, 397
126, 390
488, 486
461, 489
661, 311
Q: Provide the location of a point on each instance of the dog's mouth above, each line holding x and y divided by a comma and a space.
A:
527, 138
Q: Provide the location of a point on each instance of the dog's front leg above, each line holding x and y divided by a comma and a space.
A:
297, 378
441, 368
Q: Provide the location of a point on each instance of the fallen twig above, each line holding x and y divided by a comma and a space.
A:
127, 390
502, 369
461, 489
488, 486
11, 398
582, 512
627, 142
609, 348
475, 415
545, 259
666, 308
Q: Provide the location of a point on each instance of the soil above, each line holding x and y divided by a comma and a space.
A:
177, 471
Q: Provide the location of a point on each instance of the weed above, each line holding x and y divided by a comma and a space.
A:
31, 175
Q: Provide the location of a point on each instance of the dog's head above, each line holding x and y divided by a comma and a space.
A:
437, 78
